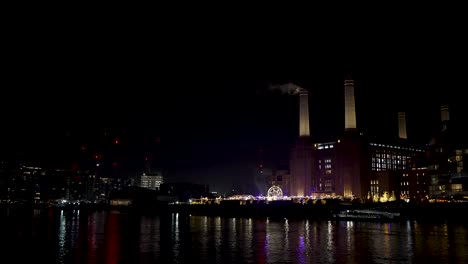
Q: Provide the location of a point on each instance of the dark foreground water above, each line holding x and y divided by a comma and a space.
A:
50, 236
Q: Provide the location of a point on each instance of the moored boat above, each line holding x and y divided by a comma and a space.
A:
366, 214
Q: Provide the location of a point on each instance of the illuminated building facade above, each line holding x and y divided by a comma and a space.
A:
352, 166
448, 159
392, 157
414, 184
302, 165
390, 164
152, 182
325, 173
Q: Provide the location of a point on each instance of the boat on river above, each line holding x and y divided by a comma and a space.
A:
366, 214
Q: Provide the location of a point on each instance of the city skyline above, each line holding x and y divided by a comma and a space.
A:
209, 101
221, 138
168, 136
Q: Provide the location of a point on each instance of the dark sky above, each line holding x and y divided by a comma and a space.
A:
202, 87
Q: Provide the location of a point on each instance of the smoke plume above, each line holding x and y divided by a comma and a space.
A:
288, 88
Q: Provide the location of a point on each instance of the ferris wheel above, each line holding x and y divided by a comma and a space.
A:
275, 192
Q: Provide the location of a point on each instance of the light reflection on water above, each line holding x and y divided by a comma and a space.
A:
112, 237
329, 256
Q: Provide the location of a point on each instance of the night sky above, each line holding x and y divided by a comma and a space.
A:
204, 92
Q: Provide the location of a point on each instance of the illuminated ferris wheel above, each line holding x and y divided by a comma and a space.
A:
275, 192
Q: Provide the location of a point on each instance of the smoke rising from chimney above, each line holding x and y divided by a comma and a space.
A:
293, 89
288, 88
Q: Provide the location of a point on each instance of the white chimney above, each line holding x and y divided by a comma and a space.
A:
304, 128
402, 125
444, 113
350, 108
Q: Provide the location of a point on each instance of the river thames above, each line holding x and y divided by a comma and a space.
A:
55, 236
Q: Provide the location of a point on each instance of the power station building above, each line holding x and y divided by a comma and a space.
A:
353, 165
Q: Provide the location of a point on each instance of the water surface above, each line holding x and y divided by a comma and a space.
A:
54, 236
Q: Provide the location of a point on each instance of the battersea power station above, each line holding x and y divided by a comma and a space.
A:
354, 166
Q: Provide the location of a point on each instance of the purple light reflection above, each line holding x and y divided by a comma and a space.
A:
301, 250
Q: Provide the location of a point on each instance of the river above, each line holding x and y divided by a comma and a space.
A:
56, 236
